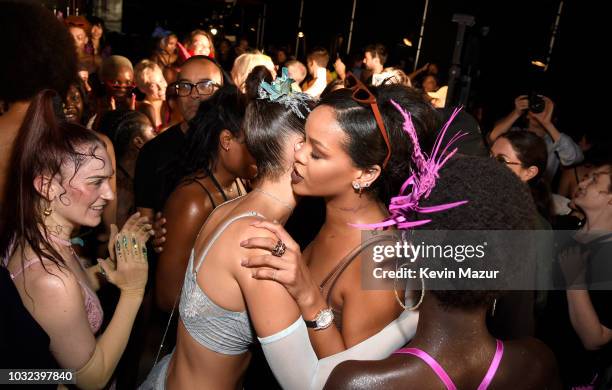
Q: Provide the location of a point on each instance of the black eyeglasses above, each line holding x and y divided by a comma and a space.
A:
203, 88
502, 160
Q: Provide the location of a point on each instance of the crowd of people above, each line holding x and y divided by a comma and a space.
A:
195, 219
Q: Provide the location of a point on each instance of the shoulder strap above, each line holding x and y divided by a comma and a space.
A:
499, 353
26, 265
335, 273
431, 362
212, 200
220, 231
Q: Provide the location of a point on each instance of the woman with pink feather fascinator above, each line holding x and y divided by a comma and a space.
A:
361, 145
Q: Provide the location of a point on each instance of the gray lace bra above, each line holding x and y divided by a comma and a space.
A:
218, 329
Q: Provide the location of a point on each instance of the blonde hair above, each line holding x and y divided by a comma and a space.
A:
147, 72
112, 64
244, 64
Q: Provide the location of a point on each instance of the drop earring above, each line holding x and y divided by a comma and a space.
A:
48, 210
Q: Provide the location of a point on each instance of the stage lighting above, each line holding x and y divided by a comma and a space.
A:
407, 42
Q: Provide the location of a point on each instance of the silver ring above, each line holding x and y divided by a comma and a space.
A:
279, 249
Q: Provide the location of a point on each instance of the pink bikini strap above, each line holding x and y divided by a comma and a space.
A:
431, 362
26, 265
499, 352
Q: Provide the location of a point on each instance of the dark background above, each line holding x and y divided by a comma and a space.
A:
497, 54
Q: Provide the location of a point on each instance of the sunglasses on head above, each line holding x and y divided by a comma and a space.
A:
361, 94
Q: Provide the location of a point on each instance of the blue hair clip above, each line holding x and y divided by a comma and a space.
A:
279, 91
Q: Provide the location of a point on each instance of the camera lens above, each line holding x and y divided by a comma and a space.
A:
536, 103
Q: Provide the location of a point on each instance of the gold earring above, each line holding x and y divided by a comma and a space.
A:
47, 211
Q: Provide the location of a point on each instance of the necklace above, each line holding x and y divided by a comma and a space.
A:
59, 240
287, 205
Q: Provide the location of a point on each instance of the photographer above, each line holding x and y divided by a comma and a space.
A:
537, 110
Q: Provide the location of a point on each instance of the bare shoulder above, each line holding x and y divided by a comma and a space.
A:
394, 372
50, 285
533, 359
188, 200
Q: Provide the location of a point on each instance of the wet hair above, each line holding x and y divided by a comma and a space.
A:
267, 127
46, 147
44, 55
497, 200
121, 126
378, 51
531, 150
319, 56
364, 142
223, 111
258, 74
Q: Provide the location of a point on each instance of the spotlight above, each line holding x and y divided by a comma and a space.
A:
213, 31
252, 29
407, 42
300, 35
538, 63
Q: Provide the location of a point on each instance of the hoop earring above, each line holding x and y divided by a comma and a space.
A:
415, 306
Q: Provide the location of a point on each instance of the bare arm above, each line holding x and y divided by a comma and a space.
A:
521, 104
364, 312
270, 307
185, 213
585, 321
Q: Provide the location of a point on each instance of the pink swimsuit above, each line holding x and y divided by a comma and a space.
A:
92, 303
437, 368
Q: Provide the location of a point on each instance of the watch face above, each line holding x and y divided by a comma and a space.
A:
325, 318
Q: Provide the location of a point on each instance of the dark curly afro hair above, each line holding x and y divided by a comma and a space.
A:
497, 200
41, 51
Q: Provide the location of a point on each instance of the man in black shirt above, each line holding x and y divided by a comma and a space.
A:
200, 77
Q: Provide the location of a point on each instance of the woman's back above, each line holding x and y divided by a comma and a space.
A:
212, 344
465, 364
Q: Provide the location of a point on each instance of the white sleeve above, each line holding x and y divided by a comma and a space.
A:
296, 366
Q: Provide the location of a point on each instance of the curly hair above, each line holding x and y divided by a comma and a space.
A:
497, 200
43, 52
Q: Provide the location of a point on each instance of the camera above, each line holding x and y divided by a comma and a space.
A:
536, 103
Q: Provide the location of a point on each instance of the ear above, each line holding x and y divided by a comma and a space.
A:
45, 188
225, 139
529, 173
366, 177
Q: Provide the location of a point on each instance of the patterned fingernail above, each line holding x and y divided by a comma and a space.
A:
144, 251
125, 242
118, 245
